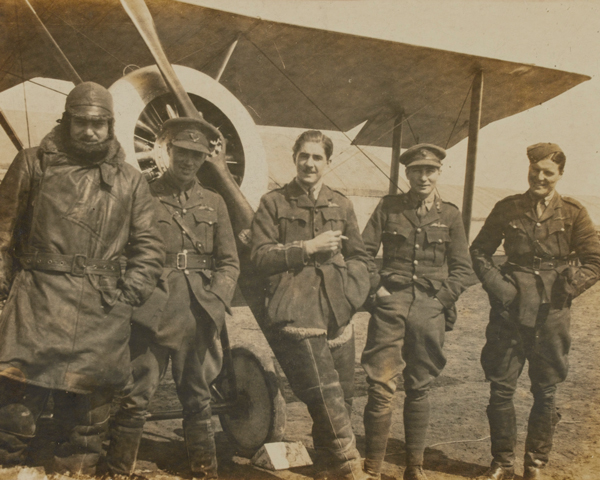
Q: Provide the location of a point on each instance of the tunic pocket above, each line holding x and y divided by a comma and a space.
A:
293, 225
206, 221
395, 235
333, 219
516, 239
437, 238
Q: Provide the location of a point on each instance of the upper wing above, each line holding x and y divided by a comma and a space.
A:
285, 75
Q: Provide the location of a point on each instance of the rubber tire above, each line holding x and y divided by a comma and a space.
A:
262, 416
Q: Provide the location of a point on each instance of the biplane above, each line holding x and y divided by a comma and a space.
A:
163, 59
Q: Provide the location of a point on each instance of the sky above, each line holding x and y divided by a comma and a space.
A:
562, 35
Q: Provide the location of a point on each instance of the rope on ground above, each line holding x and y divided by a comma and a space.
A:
466, 441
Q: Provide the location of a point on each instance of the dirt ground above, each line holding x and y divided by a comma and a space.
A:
458, 441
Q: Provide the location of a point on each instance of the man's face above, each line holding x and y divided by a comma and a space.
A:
89, 130
184, 164
310, 163
422, 179
543, 177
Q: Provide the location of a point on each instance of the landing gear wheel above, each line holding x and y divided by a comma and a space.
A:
260, 415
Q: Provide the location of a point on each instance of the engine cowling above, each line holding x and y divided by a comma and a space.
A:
143, 102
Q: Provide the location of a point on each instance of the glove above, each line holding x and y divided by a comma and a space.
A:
563, 290
500, 287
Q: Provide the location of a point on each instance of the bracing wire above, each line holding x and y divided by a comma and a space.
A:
89, 39
23, 75
459, 113
318, 108
23, 79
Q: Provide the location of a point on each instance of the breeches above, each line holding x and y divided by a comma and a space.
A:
195, 365
405, 335
546, 347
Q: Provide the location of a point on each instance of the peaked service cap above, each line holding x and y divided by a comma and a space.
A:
188, 134
423, 154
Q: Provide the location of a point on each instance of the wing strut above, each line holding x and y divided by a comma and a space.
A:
396, 150
59, 55
474, 125
227, 57
240, 211
10, 131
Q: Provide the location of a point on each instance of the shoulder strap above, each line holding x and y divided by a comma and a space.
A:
197, 243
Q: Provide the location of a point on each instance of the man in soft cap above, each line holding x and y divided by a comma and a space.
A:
530, 297
183, 318
426, 266
70, 211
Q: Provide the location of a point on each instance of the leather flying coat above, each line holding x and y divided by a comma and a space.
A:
70, 330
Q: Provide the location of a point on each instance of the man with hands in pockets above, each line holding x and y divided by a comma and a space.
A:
426, 266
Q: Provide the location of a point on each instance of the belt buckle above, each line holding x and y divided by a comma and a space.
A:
537, 263
78, 265
181, 264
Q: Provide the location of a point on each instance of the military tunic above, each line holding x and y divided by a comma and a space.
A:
530, 295
336, 281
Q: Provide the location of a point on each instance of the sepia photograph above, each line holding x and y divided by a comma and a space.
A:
299, 239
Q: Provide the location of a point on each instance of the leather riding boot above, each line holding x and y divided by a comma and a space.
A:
416, 422
540, 430
498, 472
125, 437
343, 352
200, 444
351, 470
84, 421
377, 420
20, 407
533, 473
309, 367
503, 429
414, 472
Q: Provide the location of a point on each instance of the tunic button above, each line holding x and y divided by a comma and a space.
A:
184, 211
186, 271
419, 230
440, 240
185, 251
414, 277
538, 224
537, 272
416, 246
416, 262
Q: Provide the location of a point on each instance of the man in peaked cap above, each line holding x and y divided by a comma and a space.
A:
530, 297
426, 266
70, 210
183, 318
